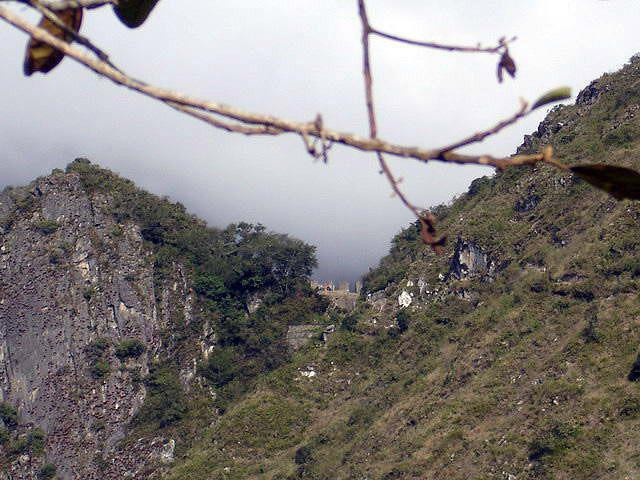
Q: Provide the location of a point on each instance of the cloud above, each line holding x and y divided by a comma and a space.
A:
296, 59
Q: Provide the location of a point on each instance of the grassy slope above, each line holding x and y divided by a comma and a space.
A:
527, 379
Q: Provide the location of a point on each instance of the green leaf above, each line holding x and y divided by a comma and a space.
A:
555, 95
619, 182
133, 13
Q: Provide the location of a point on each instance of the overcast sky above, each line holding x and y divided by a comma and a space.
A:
295, 59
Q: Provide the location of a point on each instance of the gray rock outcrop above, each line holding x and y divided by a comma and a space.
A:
469, 260
70, 275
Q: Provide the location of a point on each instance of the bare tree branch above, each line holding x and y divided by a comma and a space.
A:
64, 4
427, 220
480, 136
229, 127
256, 124
309, 129
313, 132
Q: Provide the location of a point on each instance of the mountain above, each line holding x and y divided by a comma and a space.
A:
139, 343
124, 319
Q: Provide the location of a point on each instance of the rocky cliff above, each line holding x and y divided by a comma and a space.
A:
70, 276
94, 301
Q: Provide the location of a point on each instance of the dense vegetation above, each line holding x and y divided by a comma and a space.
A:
228, 268
16, 441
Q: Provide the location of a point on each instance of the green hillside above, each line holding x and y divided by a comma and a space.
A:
514, 365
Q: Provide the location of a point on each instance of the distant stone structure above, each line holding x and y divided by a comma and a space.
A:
330, 286
323, 287
340, 297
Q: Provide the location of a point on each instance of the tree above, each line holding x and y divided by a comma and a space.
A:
51, 40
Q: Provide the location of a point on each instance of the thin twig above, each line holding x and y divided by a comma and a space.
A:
439, 46
229, 127
522, 112
64, 4
427, 220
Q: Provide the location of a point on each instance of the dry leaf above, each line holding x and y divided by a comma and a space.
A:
506, 63
509, 64
41, 57
133, 13
619, 182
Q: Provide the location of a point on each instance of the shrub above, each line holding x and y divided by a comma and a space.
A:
363, 414
98, 425
621, 136
4, 436
18, 446
88, 293
303, 455
165, 403
561, 305
634, 374
100, 369
47, 471
590, 332
211, 286
554, 441
480, 184
9, 415
32, 442
47, 227
538, 285
402, 318
100, 462
630, 408
221, 367
97, 347
96, 353
117, 231
35, 440
349, 323
130, 348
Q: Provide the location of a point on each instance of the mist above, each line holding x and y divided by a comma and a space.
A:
296, 59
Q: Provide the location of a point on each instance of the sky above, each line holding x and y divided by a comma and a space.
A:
295, 59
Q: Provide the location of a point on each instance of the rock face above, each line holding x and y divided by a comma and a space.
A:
404, 299
589, 94
70, 275
469, 260
527, 203
299, 335
342, 299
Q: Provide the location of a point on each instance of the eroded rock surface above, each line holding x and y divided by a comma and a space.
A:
469, 260
69, 275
